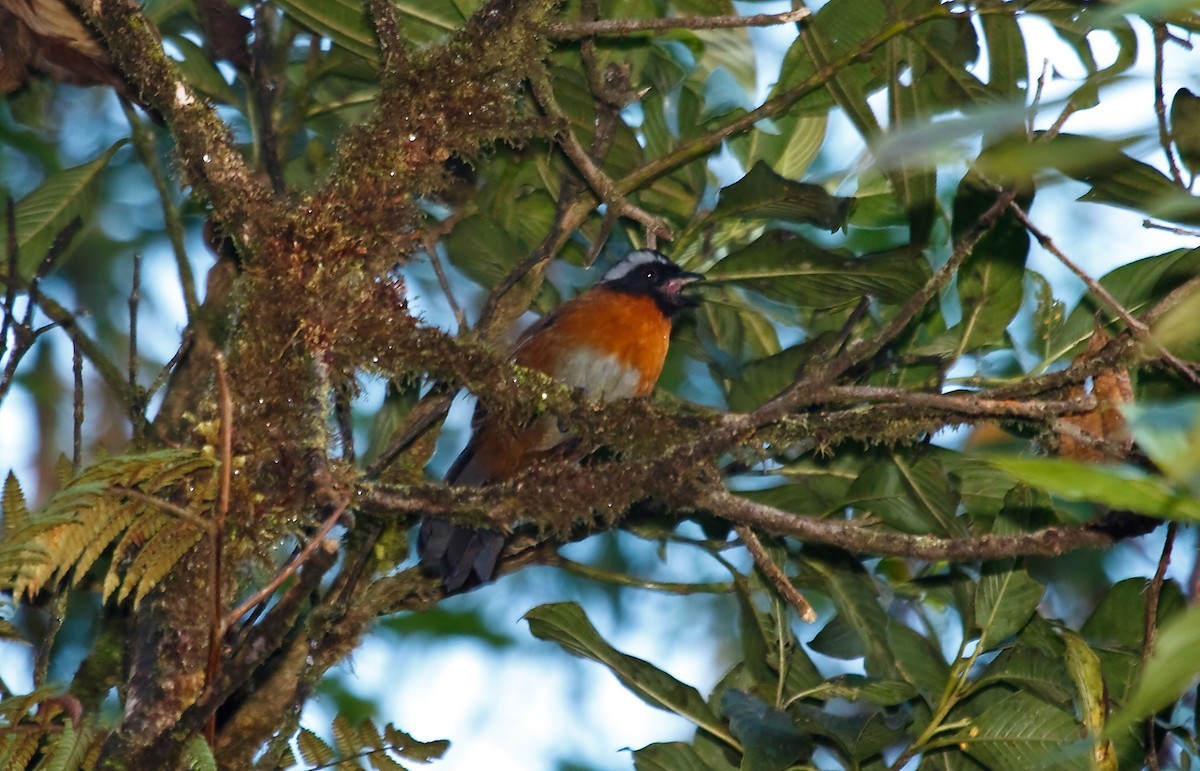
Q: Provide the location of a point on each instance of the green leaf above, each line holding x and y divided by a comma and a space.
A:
788, 144
856, 596
1118, 487
674, 756
1117, 179
919, 662
1022, 732
770, 740
1170, 435
914, 497
1092, 698
1137, 286
342, 21
990, 281
1185, 128
43, 213
1007, 598
1170, 671
198, 756
763, 193
566, 624
785, 267
1119, 618
1028, 669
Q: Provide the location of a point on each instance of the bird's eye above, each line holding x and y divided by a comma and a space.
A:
651, 274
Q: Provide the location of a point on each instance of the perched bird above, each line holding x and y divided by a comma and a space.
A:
611, 341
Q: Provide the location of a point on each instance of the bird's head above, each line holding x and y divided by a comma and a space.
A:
651, 273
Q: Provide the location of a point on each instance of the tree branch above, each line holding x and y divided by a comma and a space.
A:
622, 27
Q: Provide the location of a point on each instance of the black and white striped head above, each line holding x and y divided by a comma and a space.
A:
651, 273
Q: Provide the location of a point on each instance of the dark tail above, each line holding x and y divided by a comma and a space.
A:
464, 558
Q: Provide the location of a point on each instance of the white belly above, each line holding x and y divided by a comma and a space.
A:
602, 376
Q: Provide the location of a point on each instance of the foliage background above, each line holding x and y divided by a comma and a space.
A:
276, 244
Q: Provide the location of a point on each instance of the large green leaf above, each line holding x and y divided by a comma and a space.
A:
856, 596
768, 736
674, 756
1119, 487
790, 269
1115, 178
50, 207
919, 662
763, 193
1006, 600
342, 21
1185, 128
990, 285
1171, 670
1170, 435
566, 624
916, 497
1119, 620
1021, 732
1136, 286
788, 144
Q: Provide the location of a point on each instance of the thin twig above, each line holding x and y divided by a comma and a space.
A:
264, 593
624, 579
77, 411
143, 143
1151, 225
1160, 102
621, 27
137, 408
434, 412
431, 241
216, 628
264, 86
1153, 592
173, 509
775, 574
1135, 326
602, 185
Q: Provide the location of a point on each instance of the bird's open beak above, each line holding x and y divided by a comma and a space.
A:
676, 284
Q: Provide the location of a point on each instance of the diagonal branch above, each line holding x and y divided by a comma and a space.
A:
622, 27
1136, 327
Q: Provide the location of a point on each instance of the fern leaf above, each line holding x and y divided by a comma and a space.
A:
369, 735
67, 750
13, 503
408, 747
101, 534
158, 557
381, 761
198, 756
18, 750
345, 737
313, 749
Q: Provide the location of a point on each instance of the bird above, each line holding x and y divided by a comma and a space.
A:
610, 341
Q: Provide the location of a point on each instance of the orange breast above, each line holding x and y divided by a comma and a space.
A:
612, 345
628, 328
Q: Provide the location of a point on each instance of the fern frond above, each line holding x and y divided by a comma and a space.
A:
345, 737
406, 746
313, 749
18, 750
16, 514
66, 750
157, 558
90, 516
